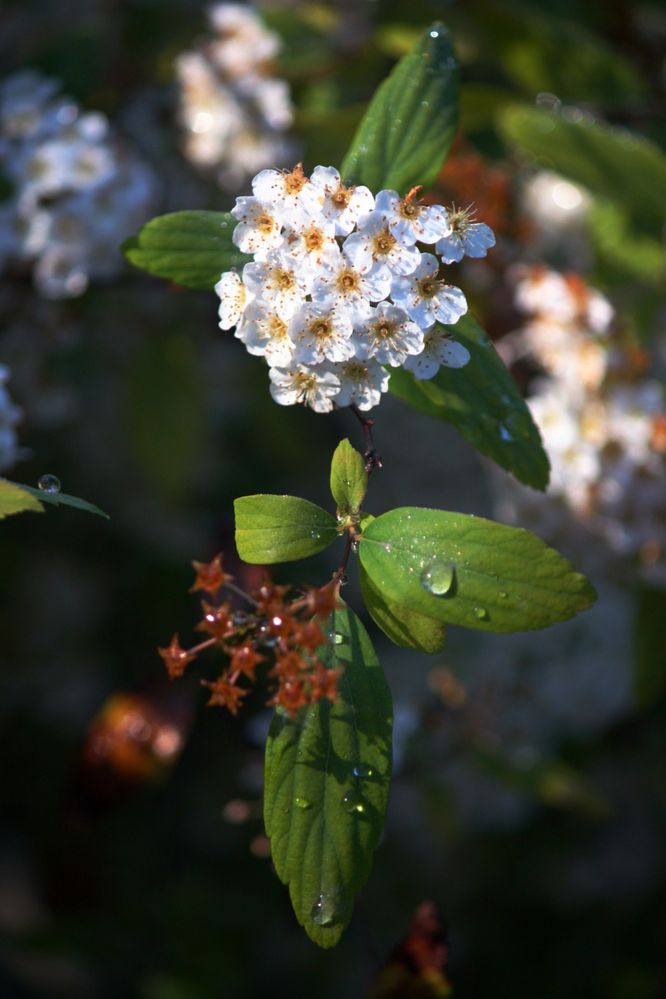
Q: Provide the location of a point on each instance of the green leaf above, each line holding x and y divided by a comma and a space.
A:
64, 499
190, 248
16, 499
326, 786
470, 571
611, 162
405, 627
482, 401
411, 122
625, 255
349, 479
281, 528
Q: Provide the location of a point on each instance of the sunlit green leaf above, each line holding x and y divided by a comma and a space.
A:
404, 626
411, 122
482, 401
281, 528
349, 479
613, 163
326, 786
190, 248
470, 571
622, 252
63, 499
16, 499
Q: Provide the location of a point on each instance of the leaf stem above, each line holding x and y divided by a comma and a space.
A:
372, 457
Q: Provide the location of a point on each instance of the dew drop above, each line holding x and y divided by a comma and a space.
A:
323, 911
338, 639
49, 484
354, 547
315, 534
504, 433
437, 577
503, 594
434, 34
353, 803
363, 772
343, 580
480, 613
388, 548
302, 803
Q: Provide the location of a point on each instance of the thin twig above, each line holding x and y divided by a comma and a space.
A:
372, 458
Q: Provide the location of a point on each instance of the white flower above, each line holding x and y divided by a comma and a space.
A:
289, 194
314, 386
339, 283
339, 204
425, 298
321, 332
410, 221
438, 350
375, 247
265, 333
388, 335
312, 244
278, 281
361, 383
233, 297
466, 239
258, 230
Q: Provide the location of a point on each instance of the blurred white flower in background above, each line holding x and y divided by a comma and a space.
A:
602, 417
234, 112
75, 192
9, 417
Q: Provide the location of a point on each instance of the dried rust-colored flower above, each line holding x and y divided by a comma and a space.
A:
224, 693
176, 658
210, 576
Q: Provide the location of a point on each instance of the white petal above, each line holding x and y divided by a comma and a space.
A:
453, 354
232, 299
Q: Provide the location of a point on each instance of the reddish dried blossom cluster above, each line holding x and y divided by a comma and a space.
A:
277, 631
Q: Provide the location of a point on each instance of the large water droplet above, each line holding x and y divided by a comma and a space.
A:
437, 577
302, 803
480, 613
323, 911
49, 483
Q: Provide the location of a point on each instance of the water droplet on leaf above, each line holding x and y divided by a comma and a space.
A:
302, 803
504, 433
323, 911
353, 803
437, 577
480, 613
315, 534
49, 484
361, 771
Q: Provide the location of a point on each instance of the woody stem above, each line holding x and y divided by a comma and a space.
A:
372, 458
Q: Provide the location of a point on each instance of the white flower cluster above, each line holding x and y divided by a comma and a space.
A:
339, 287
9, 417
75, 193
603, 421
234, 112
